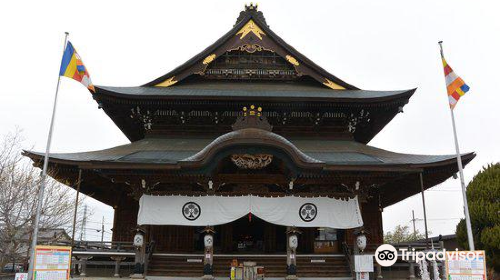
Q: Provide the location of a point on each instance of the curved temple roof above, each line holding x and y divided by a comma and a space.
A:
254, 90
327, 156
159, 152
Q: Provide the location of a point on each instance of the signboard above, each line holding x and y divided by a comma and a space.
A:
52, 263
21, 276
363, 263
466, 265
362, 275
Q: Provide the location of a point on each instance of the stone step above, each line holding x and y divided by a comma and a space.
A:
335, 266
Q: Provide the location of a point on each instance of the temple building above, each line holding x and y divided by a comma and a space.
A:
255, 141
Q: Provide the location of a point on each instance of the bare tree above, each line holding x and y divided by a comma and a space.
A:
19, 184
402, 234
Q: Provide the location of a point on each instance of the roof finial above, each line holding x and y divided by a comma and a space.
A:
251, 6
252, 118
252, 11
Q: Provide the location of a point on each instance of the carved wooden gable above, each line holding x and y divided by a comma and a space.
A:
251, 51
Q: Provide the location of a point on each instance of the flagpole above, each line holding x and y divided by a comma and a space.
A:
44, 174
461, 172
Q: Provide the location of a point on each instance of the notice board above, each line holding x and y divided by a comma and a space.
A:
466, 265
52, 263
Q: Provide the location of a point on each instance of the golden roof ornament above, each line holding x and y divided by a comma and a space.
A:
332, 85
209, 59
251, 27
252, 111
255, 13
251, 7
292, 60
170, 81
252, 118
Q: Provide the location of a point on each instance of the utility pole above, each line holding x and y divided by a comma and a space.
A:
413, 220
102, 232
84, 224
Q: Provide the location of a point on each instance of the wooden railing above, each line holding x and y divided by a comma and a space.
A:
149, 254
348, 256
103, 246
108, 252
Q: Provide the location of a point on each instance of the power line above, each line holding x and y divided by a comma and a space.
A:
93, 222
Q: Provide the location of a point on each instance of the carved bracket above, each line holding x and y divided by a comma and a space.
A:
145, 118
247, 161
357, 119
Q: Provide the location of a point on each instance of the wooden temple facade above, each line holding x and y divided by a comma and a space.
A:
250, 115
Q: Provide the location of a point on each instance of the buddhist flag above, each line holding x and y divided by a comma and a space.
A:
72, 67
455, 85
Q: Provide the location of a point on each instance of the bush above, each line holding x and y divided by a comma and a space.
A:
483, 198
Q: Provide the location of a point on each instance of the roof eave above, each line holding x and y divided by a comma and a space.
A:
102, 92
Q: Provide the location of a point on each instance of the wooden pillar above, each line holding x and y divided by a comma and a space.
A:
306, 240
125, 219
208, 257
226, 237
270, 238
189, 239
372, 219
140, 254
291, 259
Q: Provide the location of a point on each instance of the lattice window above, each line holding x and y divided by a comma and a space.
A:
260, 65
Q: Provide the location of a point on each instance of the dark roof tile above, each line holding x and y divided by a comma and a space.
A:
173, 150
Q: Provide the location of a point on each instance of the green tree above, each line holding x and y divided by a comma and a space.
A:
483, 198
402, 234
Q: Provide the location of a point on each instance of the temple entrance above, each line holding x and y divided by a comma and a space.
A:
247, 235
253, 235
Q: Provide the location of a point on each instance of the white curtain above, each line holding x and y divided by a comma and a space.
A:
217, 210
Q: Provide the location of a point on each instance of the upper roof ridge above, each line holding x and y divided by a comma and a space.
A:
251, 11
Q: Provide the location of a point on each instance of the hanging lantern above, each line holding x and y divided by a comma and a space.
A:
361, 240
139, 238
208, 240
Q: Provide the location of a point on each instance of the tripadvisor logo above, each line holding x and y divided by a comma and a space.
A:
386, 255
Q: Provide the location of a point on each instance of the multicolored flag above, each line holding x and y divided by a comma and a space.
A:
72, 67
456, 88
455, 85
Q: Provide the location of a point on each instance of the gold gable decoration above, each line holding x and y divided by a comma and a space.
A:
292, 60
252, 112
170, 81
250, 26
209, 59
332, 85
